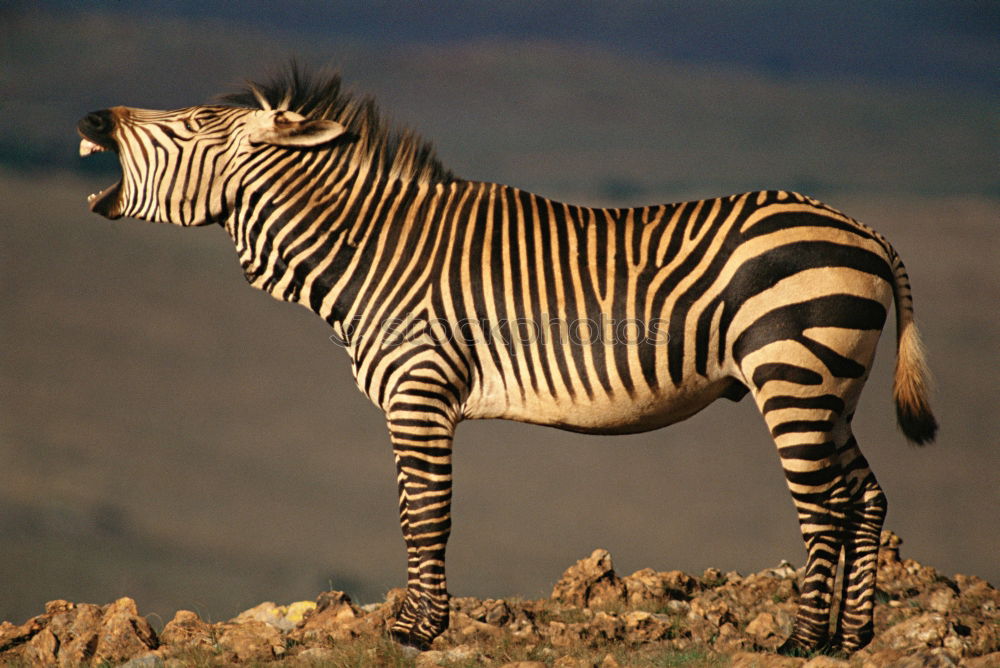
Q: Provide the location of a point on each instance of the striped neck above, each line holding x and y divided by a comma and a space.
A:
306, 229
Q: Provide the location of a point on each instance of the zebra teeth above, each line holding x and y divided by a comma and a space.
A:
105, 202
88, 147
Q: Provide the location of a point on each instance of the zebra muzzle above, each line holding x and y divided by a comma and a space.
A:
105, 202
94, 130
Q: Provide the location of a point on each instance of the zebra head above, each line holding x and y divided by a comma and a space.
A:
182, 166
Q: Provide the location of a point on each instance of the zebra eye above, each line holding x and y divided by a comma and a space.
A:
190, 125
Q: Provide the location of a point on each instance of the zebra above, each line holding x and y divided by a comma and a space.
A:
458, 299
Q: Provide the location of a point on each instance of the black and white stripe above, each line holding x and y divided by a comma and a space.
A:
458, 300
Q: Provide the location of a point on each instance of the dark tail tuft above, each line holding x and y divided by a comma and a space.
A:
920, 428
911, 389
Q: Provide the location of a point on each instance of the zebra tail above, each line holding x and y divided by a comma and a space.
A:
912, 380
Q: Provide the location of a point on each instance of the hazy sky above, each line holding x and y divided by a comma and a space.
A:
919, 40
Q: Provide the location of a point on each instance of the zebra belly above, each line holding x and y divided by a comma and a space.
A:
605, 413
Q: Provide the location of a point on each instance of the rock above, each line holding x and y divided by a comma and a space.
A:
57, 606
825, 662
730, 640
904, 578
985, 661
266, 612
678, 607
124, 634
647, 587
497, 612
334, 618
186, 632
712, 577
435, 657
642, 627
984, 638
764, 629
72, 635
463, 628
281, 617
590, 582
783, 571
523, 629
571, 662
888, 549
336, 602
11, 635
524, 664
251, 641
78, 631
927, 630
927, 619
41, 649
711, 607
429, 659
942, 600
561, 634
881, 658
323, 655
967, 583
761, 660
150, 660
378, 617
935, 658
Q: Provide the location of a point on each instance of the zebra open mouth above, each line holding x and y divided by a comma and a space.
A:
104, 202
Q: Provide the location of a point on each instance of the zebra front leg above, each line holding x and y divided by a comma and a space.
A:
421, 440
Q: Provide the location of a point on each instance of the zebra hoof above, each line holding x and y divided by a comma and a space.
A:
795, 647
849, 644
410, 641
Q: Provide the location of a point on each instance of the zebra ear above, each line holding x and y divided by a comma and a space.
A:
287, 128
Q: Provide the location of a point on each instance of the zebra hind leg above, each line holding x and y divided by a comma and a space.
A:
805, 421
865, 515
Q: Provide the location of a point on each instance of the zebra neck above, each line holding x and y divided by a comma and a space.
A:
400, 230
314, 244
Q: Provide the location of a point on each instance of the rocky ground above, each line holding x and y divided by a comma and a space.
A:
593, 618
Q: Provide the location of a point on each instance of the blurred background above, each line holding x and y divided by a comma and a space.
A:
170, 434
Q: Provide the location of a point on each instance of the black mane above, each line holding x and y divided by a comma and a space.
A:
400, 153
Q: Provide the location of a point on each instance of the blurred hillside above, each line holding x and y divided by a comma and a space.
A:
169, 434
554, 116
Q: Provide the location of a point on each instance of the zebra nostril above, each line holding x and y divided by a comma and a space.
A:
98, 121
